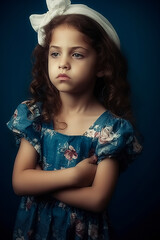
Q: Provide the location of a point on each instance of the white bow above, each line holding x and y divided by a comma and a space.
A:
62, 7
38, 21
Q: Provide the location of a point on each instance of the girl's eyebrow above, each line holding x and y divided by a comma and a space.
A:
72, 48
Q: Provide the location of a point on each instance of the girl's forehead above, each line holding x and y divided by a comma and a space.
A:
68, 33
66, 28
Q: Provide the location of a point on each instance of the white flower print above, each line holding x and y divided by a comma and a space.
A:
73, 217
93, 231
16, 131
90, 133
16, 118
106, 135
18, 235
62, 205
37, 147
50, 132
44, 164
97, 127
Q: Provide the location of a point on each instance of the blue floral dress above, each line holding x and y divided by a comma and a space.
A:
44, 218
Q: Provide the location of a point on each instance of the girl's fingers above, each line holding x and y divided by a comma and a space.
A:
93, 159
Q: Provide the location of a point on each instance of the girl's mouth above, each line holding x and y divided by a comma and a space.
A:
63, 77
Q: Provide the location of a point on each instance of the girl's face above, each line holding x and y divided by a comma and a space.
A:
72, 62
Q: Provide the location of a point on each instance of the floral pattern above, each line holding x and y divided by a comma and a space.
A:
46, 218
28, 203
106, 135
78, 225
93, 231
70, 153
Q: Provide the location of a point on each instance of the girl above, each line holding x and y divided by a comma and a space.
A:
75, 136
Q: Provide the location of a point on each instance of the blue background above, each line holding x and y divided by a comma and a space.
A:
135, 206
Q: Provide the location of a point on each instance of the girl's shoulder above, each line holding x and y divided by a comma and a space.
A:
26, 122
109, 119
116, 138
28, 110
25, 115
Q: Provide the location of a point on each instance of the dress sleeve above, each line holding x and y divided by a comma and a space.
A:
118, 141
25, 123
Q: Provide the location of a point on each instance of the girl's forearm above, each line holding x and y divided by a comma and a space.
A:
29, 180
96, 197
34, 181
86, 198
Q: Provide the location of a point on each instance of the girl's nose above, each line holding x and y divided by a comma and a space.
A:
64, 66
64, 63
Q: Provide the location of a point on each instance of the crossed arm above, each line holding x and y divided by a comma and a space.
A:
95, 197
85, 186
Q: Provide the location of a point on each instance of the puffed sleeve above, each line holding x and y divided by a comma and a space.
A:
25, 123
118, 141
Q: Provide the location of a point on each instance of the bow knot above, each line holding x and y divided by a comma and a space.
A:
60, 5
38, 21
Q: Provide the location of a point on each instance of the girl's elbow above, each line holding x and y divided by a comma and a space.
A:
21, 183
101, 200
100, 204
18, 190
18, 186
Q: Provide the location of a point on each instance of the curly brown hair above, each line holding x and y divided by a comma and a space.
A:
112, 90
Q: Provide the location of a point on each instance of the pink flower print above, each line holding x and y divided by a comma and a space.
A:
97, 134
80, 228
28, 204
37, 127
106, 135
15, 114
70, 153
30, 234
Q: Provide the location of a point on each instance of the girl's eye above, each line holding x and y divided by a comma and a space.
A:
77, 55
55, 54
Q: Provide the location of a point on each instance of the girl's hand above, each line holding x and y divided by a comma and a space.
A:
85, 172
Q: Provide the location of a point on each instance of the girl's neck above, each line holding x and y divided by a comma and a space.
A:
76, 104
77, 114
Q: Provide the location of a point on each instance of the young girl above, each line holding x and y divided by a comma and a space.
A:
75, 136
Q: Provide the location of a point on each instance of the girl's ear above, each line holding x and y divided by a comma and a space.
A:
100, 74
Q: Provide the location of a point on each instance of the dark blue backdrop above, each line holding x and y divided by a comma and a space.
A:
134, 209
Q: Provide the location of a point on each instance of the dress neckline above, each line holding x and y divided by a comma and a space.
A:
51, 125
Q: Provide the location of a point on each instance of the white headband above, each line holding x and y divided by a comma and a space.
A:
64, 7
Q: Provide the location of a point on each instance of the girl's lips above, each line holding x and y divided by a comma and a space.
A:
63, 77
